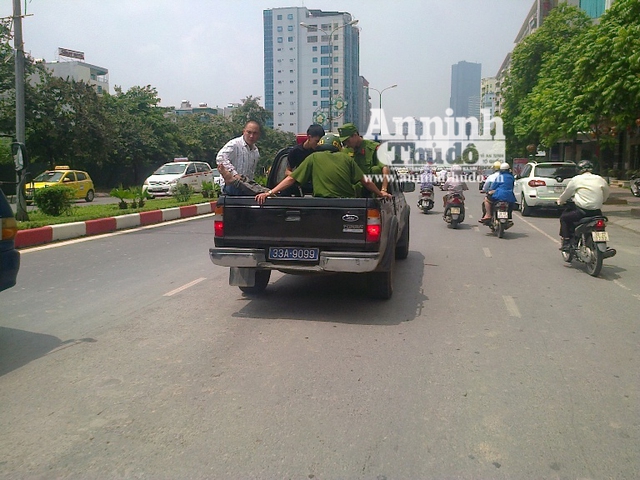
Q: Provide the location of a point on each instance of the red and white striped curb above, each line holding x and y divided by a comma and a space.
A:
65, 231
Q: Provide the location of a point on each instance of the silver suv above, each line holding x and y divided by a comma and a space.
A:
541, 183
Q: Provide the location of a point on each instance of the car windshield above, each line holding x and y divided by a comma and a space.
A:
170, 169
49, 177
555, 171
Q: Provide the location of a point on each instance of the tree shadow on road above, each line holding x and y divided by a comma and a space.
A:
19, 347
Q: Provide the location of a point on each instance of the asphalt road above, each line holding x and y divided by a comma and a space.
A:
128, 356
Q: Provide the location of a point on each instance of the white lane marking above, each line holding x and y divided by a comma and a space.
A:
184, 287
637, 296
487, 252
512, 308
621, 285
110, 234
536, 228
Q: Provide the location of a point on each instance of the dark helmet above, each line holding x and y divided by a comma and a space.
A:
330, 142
585, 166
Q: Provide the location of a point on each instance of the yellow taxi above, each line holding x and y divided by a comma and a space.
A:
78, 180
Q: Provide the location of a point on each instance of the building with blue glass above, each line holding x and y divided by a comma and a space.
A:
311, 68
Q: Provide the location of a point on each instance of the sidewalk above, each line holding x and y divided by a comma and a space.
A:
623, 209
66, 231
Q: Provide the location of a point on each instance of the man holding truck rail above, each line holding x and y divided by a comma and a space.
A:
332, 173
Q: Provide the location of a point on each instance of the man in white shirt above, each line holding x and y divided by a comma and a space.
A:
589, 192
237, 162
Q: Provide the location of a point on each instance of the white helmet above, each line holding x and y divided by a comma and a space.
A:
456, 168
505, 166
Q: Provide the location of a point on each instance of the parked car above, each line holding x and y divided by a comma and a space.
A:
217, 178
78, 180
166, 178
541, 183
9, 256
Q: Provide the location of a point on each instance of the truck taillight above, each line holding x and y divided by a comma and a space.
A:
373, 226
600, 224
218, 223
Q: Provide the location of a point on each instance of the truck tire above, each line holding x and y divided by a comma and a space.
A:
262, 280
380, 284
402, 248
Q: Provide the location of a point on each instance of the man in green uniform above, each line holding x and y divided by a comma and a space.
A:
332, 172
364, 152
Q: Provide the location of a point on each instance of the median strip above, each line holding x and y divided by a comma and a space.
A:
65, 231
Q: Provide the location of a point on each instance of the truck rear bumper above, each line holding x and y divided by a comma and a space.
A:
347, 262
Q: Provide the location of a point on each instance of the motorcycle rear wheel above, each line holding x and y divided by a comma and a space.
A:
500, 229
594, 265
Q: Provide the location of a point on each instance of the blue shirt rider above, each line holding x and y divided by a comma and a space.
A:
500, 190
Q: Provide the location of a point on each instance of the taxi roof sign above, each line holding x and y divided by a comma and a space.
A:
61, 167
181, 159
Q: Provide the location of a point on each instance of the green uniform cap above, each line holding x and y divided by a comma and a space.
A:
346, 131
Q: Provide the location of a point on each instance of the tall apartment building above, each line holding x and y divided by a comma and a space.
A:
465, 89
308, 66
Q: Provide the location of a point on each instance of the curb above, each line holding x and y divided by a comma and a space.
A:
38, 236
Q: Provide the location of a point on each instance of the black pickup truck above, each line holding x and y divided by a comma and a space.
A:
311, 235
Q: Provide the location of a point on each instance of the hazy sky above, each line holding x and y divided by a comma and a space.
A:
211, 50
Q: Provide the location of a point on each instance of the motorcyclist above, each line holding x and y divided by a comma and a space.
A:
498, 190
426, 179
492, 177
454, 184
589, 192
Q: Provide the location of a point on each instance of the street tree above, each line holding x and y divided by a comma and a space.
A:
66, 122
563, 23
142, 137
250, 110
201, 136
612, 65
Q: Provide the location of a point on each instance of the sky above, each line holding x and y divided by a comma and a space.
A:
211, 51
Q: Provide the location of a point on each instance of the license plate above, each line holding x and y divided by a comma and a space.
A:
600, 236
503, 214
558, 188
454, 210
296, 254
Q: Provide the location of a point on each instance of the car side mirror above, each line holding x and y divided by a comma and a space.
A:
66, 180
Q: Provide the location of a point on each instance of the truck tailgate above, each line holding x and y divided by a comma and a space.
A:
329, 224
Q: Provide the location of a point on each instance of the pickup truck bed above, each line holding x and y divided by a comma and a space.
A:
310, 235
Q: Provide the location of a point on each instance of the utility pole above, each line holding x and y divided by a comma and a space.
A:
20, 150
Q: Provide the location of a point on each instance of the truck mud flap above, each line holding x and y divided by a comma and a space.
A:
242, 277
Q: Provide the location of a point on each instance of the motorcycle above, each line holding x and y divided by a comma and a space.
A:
589, 244
634, 186
426, 199
454, 209
500, 218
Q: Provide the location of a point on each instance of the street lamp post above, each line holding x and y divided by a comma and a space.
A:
330, 46
380, 92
